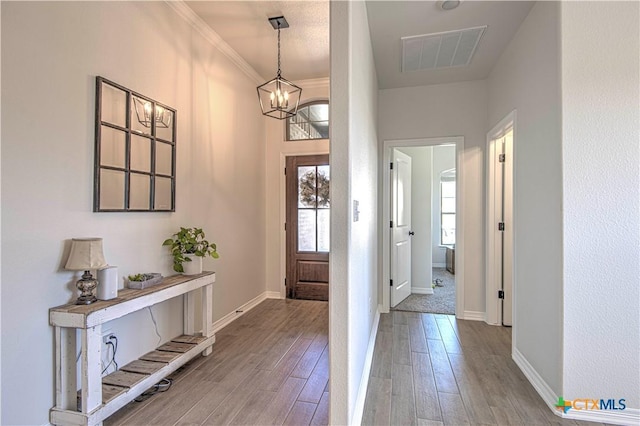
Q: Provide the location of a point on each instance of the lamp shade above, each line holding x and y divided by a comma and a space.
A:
86, 254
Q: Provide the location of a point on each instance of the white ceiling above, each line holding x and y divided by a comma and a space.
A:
305, 44
389, 21
245, 27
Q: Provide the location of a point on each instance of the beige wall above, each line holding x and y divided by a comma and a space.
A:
276, 151
51, 53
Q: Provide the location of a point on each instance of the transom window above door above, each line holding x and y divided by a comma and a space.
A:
311, 122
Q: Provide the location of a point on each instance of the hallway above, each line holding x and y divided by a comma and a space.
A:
432, 369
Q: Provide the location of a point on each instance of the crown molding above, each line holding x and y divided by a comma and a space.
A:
184, 11
313, 83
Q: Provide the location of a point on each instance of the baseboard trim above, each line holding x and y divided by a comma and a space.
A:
358, 410
629, 416
473, 315
421, 290
544, 390
238, 312
274, 295
438, 265
625, 417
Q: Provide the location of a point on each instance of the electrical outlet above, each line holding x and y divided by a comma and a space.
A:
107, 336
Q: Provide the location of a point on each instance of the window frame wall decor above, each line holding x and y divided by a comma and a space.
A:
298, 120
135, 151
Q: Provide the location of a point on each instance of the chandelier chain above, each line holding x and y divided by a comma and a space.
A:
278, 49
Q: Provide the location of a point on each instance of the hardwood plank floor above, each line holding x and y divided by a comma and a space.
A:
432, 369
268, 367
271, 367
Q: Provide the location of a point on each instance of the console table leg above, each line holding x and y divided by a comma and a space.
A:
207, 315
91, 368
189, 313
66, 398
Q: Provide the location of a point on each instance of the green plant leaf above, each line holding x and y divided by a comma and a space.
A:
167, 242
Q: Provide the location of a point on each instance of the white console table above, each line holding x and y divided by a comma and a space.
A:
103, 396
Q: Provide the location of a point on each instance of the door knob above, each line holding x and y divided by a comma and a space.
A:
412, 233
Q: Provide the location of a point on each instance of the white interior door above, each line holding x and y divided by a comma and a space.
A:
400, 227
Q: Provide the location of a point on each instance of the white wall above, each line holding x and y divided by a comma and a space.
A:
353, 281
457, 109
600, 157
444, 158
526, 78
51, 53
420, 217
276, 150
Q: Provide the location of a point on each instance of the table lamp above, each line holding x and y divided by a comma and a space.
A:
86, 254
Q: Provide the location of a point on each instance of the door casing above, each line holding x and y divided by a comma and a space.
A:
385, 217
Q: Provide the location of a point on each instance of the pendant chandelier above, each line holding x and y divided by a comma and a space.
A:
279, 98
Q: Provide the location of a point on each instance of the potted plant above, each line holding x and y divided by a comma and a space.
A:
140, 281
188, 247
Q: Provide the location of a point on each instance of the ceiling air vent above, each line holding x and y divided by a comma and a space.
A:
440, 50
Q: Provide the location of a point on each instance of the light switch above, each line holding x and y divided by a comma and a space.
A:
356, 211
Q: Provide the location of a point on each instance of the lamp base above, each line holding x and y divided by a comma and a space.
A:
86, 285
86, 300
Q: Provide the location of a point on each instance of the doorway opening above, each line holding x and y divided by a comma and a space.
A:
500, 223
422, 218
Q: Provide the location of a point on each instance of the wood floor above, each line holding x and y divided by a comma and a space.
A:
431, 369
268, 367
271, 367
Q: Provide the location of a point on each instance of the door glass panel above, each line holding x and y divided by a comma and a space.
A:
307, 186
324, 227
323, 187
307, 230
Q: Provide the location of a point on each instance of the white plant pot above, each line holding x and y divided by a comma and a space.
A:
194, 267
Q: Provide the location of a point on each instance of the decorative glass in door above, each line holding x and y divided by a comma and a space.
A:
314, 205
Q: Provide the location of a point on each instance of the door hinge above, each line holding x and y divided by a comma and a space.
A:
285, 171
391, 283
501, 158
390, 166
391, 224
500, 226
285, 226
500, 294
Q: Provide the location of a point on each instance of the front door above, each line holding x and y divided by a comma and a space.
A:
307, 227
400, 227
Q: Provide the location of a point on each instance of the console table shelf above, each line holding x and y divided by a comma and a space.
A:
100, 397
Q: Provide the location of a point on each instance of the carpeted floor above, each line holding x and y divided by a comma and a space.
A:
442, 301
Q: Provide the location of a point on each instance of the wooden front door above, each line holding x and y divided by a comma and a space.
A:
307, 227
